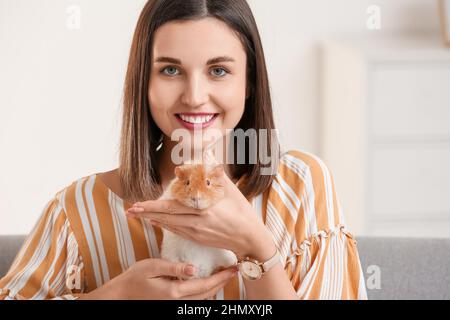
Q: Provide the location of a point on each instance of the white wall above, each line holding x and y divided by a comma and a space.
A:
291, 30
60, 89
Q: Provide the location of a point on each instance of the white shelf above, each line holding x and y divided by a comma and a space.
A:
386, 133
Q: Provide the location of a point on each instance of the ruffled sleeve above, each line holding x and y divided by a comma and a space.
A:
48, 265
323, 261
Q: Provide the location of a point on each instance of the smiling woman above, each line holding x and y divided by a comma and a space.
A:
196, 58
193, 64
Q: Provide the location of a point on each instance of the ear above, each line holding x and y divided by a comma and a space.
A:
180, 172
217, 171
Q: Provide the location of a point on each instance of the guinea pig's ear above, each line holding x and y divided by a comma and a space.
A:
217, 171
180, 172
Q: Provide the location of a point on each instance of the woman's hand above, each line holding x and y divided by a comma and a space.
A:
229, 224
152, 279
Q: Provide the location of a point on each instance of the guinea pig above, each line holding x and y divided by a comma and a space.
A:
196, 186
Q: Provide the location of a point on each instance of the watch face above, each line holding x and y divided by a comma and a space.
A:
250, 270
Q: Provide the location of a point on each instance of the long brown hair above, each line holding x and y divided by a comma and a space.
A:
140, 136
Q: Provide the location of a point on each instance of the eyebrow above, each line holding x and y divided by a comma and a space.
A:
210, 61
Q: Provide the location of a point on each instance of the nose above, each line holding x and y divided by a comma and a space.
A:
196, 201
196, 91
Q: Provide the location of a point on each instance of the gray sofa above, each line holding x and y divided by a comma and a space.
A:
394, 268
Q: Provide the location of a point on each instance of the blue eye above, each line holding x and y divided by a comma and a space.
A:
170, 71
220, 74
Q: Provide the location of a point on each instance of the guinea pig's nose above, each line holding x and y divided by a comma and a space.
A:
196, 200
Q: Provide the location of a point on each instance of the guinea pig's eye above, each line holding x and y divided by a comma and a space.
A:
187, 182
208, 182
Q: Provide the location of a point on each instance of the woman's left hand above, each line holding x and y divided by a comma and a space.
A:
231, 223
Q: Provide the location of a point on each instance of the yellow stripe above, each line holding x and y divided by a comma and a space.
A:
33, 285
109, 237
77, 226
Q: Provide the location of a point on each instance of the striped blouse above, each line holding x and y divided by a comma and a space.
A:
83, 239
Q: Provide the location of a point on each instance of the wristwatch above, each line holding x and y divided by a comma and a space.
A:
252, 269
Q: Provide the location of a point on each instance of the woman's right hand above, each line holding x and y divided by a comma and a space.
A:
153, 279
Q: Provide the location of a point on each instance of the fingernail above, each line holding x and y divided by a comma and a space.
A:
189, 269
137, 209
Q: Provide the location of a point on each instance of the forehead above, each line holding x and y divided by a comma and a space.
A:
197, 40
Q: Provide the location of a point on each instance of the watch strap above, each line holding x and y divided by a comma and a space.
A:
266, 266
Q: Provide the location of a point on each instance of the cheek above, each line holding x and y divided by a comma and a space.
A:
231, 99
161, 99
161, 95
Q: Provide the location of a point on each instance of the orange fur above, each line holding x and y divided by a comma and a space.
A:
191, 185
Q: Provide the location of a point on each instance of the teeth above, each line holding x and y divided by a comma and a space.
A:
198, 119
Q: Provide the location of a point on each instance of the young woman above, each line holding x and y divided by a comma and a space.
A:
191, 57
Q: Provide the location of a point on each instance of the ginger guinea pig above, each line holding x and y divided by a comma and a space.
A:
197, 186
